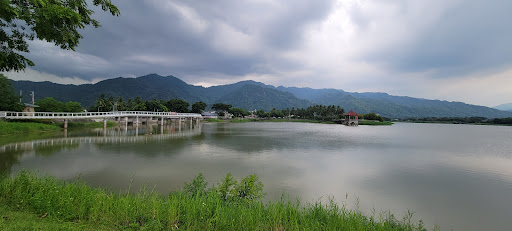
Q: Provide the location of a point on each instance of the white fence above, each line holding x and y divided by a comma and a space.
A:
78, 115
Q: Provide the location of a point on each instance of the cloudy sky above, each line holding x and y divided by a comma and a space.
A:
451, 50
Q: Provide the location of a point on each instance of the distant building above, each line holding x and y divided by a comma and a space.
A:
351, 118
30, 107
210, 115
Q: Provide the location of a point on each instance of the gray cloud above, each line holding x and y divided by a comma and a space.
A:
184, 38
367, 45
468, 36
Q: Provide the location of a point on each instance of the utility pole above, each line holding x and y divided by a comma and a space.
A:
21, 95
32, 94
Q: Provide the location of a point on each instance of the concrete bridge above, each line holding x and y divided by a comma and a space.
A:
115, 115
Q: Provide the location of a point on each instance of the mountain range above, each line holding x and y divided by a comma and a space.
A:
252, 95
504, 107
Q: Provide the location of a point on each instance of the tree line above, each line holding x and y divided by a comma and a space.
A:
105, 104
462, 120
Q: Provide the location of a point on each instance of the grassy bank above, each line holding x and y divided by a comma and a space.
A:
211, 120
367, 122
300, 121
24, 127
240, 120
18, 128
30, 202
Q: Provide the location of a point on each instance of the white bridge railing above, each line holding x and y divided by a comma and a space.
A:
77, 115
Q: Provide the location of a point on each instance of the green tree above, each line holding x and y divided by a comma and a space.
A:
177, 105
56, 21
276, 113
50, 104
155, 105
9, 101
138, 104
373, 116
262, 114
101, 104
220, 107
73, 107
238, 112
121, 105
198, 107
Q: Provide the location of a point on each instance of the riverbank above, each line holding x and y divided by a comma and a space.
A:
374, 123
18, 128
445, 122
31, 202
23, 127
238, 120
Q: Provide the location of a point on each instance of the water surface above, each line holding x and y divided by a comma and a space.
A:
456, 176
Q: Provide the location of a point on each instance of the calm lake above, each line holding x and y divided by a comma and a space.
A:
456, 176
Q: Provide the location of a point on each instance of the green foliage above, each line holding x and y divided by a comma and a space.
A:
371, 116
502, 121
73, 107
212, 120
58, 22
257, 97
261, 113
13, 128
368, 122
221, 107
197, 187
50, 104
156, 105
238, 112
198, 107
316, 112
8, 100
177, 105
248, 189
218, 208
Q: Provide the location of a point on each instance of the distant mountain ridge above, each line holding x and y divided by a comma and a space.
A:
252, 95
504, 107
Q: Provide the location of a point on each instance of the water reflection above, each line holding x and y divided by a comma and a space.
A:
11, 153
456, 176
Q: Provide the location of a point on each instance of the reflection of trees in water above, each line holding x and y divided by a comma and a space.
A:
12, 157
7, 160
166, 143
151, 147
242, 140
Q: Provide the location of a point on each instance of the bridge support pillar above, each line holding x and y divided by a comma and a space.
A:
137, 121
162, 122
65, 123
191, 122
104, 123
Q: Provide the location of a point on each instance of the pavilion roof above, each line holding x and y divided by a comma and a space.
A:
351, 113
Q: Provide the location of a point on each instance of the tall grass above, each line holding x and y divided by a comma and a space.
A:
229, 205
13, 128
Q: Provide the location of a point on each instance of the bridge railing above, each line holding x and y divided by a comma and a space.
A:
59, 115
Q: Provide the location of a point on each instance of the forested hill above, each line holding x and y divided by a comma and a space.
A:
252, 95
247, 94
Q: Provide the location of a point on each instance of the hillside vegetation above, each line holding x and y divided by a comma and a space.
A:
251, 95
